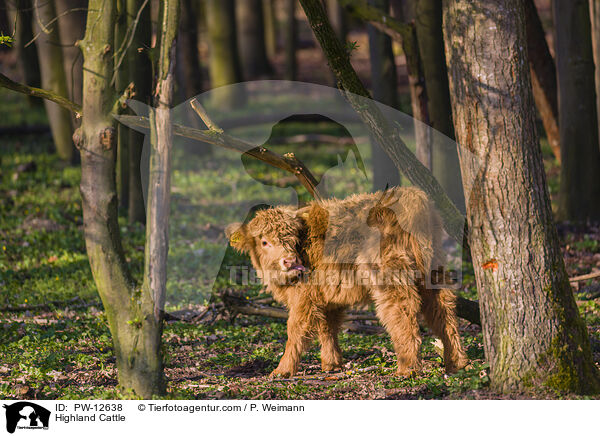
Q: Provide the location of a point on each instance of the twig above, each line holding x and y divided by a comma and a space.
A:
199, 109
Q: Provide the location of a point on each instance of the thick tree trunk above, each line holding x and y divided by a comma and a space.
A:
54, 78
129, 310
444, 154
579, 189
251, 39
224, 61
543, 76
595, 22
385, 90
140, 73
291, 40
532, 331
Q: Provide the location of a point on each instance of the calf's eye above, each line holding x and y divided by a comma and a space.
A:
264, 243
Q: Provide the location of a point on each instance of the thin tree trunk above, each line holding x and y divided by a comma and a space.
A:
595, 28
140, 73
251, 39
28, 57
271, 28
71, 23
579, 189
53, 78
187, 48
129, 309
224, 61
533, 334
416, 83
385, 90
338, 19
543, 76
444, 153
121, 83
291, 40
159, 184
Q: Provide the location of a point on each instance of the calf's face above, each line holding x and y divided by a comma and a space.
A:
272, 239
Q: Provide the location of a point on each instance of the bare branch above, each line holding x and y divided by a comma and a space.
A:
42, 93
199, 109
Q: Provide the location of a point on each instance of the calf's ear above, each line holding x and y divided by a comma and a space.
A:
238, 236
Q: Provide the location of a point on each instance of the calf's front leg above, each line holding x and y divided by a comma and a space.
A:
300, 327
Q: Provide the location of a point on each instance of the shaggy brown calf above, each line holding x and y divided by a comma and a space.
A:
332, 254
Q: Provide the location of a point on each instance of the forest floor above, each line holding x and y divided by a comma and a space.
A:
54, 338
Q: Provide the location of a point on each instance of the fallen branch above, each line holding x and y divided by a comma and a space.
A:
581, 278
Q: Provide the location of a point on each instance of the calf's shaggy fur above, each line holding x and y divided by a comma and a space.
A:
333, 254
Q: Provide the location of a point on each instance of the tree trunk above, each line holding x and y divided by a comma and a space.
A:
159, 183
595, 28
543, 76
187, 48
338, 19
224, 62
140, 73
121, 83
71, 23
385, 90
271, 28
251, 39
291, 40
533, 335
53, 78
444, 154
579, 189
28, 57
131, 321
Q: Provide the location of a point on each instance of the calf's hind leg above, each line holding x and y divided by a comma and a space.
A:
397, 308
329, 326
439, 311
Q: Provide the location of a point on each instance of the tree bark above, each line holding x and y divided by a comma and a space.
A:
128, 308
53, 78
224, 61
291, 40
385, 90
251, 39
579, 189
543, 76
140, 73
533, 334
444, 154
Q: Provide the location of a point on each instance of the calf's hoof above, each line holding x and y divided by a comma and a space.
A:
330, 367
453, 367
282, 372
